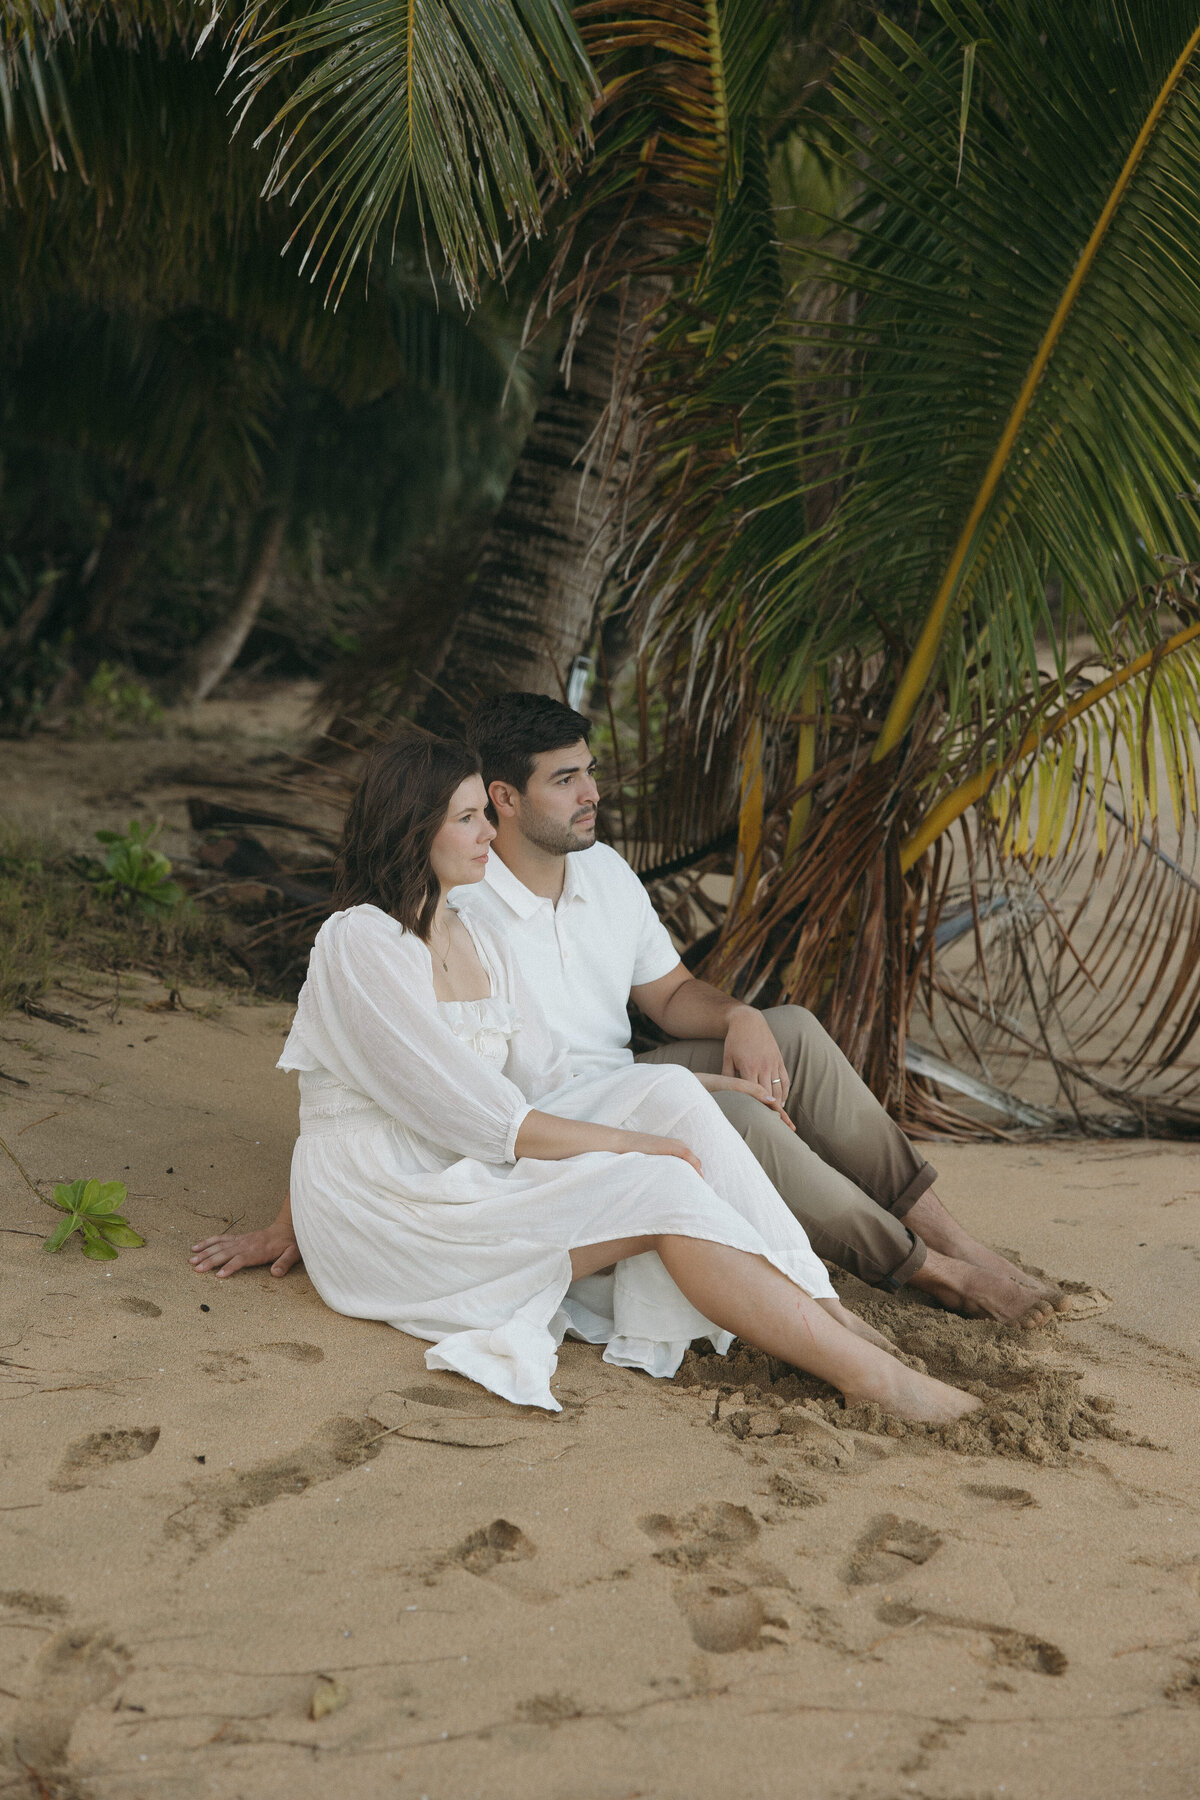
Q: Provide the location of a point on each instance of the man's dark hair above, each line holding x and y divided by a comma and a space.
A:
508, 731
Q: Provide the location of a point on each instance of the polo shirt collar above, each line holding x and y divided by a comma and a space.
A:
514, 893
517, 896
573, 885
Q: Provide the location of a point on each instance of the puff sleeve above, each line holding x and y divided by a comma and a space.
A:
368, 1014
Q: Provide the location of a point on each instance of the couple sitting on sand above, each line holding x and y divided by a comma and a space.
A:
483, 1163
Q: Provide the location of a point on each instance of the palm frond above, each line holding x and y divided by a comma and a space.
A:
1127, 724
1021, 442
464, 106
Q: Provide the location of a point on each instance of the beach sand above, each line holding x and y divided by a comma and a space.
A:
665, 1592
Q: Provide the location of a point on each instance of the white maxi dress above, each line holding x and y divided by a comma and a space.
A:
409, 1203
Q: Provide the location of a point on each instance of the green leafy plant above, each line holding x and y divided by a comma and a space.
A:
134, 873
89, 1206
114, 699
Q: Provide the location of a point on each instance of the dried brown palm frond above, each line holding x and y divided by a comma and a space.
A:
1072, 980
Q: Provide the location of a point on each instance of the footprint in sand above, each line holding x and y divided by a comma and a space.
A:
71, 1671
222, 1503
145, 1309
234, 1365
722, 1614
791, 1493
228, 1365
1016, 1497
472, 1400
1185, 1685
711, 1532
87, 1456
890, 1547
49, 1606
1011, 1649
484, 1550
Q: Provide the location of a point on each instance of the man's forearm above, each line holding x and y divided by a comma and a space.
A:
698, 1010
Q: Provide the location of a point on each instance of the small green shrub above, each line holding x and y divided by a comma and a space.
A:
52, 919
89, 1206
135, 874
115, 703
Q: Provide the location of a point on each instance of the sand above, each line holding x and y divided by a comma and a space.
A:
251, 1549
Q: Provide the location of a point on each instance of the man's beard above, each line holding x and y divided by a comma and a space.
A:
559, 840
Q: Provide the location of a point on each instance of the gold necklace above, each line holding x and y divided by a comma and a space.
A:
440, 957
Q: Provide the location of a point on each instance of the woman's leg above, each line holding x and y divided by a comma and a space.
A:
746, 1295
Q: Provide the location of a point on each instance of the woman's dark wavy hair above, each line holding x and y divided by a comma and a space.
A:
398, 809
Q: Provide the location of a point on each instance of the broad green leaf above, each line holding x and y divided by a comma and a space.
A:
61, 1233
112, 1194
89, 1200
69, 1193
117, 1232
98, 1250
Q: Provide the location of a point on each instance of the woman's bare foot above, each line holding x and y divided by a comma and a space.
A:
225, 1255
910, 1395
977, 1293
858, 1326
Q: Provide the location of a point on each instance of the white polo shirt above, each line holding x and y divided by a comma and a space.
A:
581, 957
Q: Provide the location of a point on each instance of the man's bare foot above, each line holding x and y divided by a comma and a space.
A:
977, 1293
858, 1326
922, 1398
225, 1255
940, 1231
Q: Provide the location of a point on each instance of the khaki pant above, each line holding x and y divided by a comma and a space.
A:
847, 1172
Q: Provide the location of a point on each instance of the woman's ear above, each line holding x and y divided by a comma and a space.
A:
505, 799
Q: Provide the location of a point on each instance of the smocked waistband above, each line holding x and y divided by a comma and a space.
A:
345, 1119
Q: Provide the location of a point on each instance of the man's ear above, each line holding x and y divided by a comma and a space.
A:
505, 798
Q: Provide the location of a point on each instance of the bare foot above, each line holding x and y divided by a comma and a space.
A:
909, 1395
225, 1255
977, 1293
858, 1326
941, 1232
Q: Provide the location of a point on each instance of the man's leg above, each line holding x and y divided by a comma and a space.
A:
844, 1224
838, 1118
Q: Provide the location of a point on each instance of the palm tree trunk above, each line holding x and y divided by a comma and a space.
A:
213, 657
531, 607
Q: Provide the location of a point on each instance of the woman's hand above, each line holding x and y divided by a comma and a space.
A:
734, 1084
226, 1254
643, 1144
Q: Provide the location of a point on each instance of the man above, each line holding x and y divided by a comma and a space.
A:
586, 939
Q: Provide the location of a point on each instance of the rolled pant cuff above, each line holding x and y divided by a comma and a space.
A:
905, 1271
921, 1182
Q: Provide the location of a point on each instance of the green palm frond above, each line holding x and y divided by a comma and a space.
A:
466, 106
1122, 727
1023, 429
38, 128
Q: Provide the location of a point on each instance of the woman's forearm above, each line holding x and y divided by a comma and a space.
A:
548, 1139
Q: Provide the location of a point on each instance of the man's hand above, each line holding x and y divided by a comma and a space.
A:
225, 1255
752, 1053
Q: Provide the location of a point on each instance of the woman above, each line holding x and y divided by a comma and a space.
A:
451, 1179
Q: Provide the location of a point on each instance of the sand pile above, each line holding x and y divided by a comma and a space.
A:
1031, 1408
